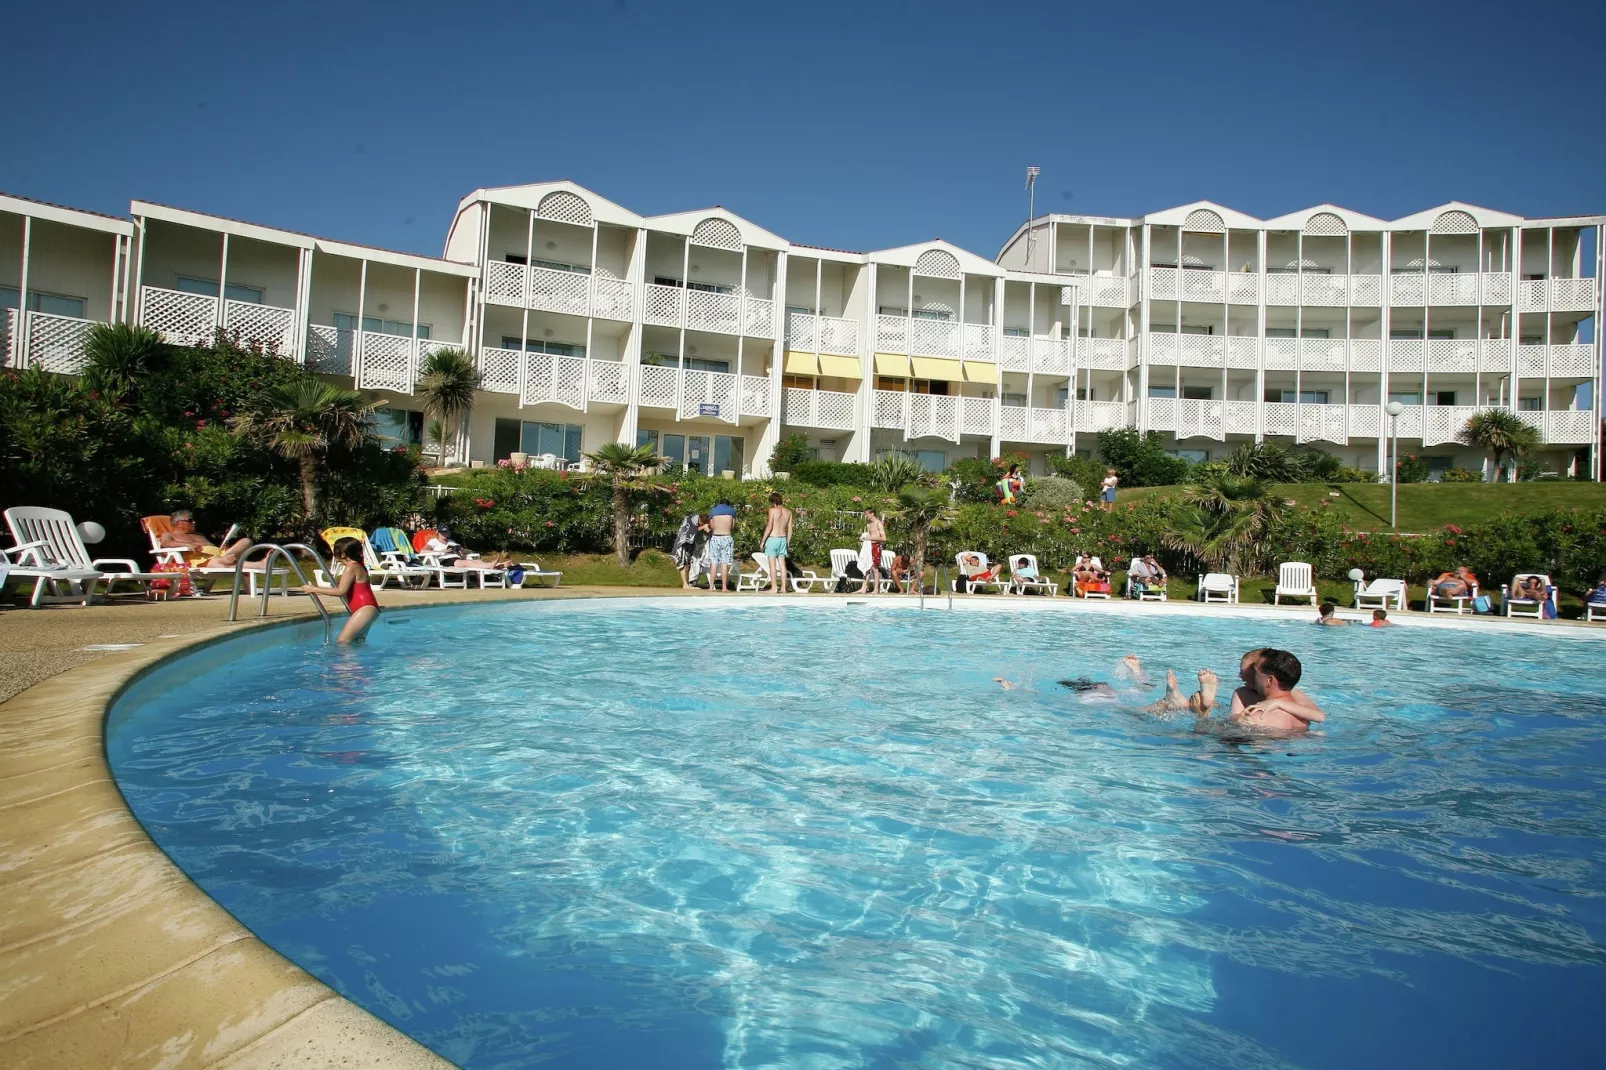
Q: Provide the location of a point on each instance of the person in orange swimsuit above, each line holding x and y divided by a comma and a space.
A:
353, 587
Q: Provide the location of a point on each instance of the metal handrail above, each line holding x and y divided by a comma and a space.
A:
276, 550
937, 585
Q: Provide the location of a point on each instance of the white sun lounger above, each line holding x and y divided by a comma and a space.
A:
1527, 607
1218, 587
997, 583
1387, 594
1033, 580
1294, 580
47, 540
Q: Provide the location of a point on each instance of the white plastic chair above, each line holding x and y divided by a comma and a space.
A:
1218, 587
1594, 611
47, 540
1294, 580
1033, 579
1388, 594
1527, 607
79, 582
757, 580
1078, 590
981, 564
1148, 594
840, 560
1458, 604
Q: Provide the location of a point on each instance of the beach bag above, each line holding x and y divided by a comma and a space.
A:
515, 576
845, 582
1481, 604
180, 586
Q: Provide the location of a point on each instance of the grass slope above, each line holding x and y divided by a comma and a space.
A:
1429, 506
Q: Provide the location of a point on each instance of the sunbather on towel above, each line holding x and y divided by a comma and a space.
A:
1456, 584
452, 555
200, 550
1531, 588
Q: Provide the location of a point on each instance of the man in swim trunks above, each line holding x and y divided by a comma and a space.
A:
777, 530
201, 549
1457, 584
721, 546
1269, 700
1326, 614
871, 542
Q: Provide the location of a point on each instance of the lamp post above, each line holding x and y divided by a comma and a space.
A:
1394, 408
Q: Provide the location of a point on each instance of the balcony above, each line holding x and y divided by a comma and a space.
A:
390, 361
1019, 423
825, 334
1097, 416
704, 310
932, 415
1102, 354
1556, 295
692, 394
192, 319
831, 409
935, 338
54, 343
1105, 291
572, 293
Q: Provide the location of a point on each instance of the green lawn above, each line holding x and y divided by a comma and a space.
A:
1428, 506
651, 568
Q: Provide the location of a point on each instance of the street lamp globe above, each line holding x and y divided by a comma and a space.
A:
1394, 408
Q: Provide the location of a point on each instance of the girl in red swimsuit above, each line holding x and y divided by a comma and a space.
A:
361, 605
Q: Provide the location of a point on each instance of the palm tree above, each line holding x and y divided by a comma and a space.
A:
894, 470
446, 384
116, 354
1499, 431
922, 508
303, 421
623, 465
1225, 520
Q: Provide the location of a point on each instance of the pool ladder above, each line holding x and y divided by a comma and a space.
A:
938, 585
279, 550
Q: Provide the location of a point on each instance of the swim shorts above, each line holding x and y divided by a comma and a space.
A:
775, 546
721, 550
1109, 494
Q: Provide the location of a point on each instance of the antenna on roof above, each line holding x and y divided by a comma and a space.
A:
1031, 211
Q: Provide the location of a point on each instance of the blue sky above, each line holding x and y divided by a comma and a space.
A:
861, 125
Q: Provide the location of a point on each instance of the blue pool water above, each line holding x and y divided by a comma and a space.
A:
633, 834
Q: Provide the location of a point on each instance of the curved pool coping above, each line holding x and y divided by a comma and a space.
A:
111, 956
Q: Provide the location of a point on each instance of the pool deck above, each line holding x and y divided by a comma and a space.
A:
109, 955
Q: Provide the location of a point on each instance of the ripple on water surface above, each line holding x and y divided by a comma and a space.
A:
590, 835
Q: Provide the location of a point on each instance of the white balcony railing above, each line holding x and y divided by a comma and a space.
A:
54, 343
1533, 295
708, 394
831, 409
978, 340
887, 409
1281, 354
184, 319
1015, 353
1163, 283
933, 416
1209, 286
608, 381
1106, 291
329, 350
1453, 289
754, 395
1282, 289
828, 334
553, 379
704, 310
1328, 290
1366, 290
976, 415
8, 334
1573, 295
1406, 355
715, 312
612, 299
1243, 352
1103, 354
660, 386
1051, 356
665, 305
892, 334
556, 290
573, 293
390, 361
1100, 415
1408, 288
693, 393
1240, 417
1571, 361
1571, 426
1365, 355
1243, 288
269, 326
1163, 348
933, 338
1201, 350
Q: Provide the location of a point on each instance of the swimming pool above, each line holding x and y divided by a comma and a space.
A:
705, 833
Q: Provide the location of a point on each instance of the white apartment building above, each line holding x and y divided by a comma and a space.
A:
711, 337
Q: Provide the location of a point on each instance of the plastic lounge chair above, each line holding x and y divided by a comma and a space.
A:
1096, 589
1294, 580
378, 571
1025, 576
757, 580
1148, 594
1594, 611
840, 560
1528, 607
1386, 594
1460, 603
159, 525
1218, 587
979, 565
63, 584
455, 576
48, 540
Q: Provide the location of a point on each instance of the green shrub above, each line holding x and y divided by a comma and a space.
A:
831, 474
1085, 471
1345, 474
1052, 492
1412, 469
1460, 475
1140, 459
891, 472
790, 452
978, 479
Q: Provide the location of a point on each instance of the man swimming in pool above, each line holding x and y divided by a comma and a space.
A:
1269, 699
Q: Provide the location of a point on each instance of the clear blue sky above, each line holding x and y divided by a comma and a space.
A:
860, 125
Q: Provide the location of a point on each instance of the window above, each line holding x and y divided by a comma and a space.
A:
729, 454
208, 287
670, 280
801, 310
919, 313
1280, 332
890, 382
1405, 397
647, 438
1197, 393
399, 427
1016, 332
558, 265
1162, 391
1162, 264
1318, 270
1535, 277
1441, 397
1304, 397
1191, 456
1436, 466
930, 386
1404, 334
1443, 269
1014, 401
1198, 267
39, 301
559, 349
514, 258
1445, 332
1162, 328
1315, 332
536, 438
374, 325
1194, 328
799, 382
932, 460
1530, 404
1533, 340
698, 364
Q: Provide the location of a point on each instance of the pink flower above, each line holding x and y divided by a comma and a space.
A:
550, 524
856, 498
1012, 512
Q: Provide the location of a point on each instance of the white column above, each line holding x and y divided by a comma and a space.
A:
356, 337
632, 355
1142, 420
303, 300
773, 429
139, 274
1600, 376
1387, 317
222, 282
19, 341
997, 321
117, 271
867, 349
413, 357
1260, 339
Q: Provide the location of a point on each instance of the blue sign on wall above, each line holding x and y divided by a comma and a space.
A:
705, 409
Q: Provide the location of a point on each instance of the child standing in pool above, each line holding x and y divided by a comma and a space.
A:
353, 587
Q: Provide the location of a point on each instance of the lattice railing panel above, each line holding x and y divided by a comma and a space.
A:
1497, 289
1533, 295
1105, 291
658, 386
1051, 356
717, 234
938, 264
1282, 289
386, 362
1100, 415
801, 330
268, 326
1455, 221
1162, 284
1328, 290
1239, 418
718, 313
1453, 289
976, 416
1494, 355
610, 381
1204, 286
1321, 354
887, 408
699, 388
8, 333
835, 409
329, 350
1204, 221
1047, 425
1014, 353
1012, 423
1198, 418
798, 406
1323, 423
935, 338
1105, 354
1366, 290
758, 317
1409, 424
1365, 355
505, 283
1452, 355
1364, 420
1443, 423
56, 343
1279, 418
755, 395
1201, 350
183, 318
1243, 352
1282, 354
612, 299
1406, 355
1572, 361
1531, 362
1571, 427
978, 341
564, 207
892, 334
1243, 288
500, 370
1163, 348
663, 305
1572, 295
1161, 415
536, 379
552, 290
553, 379
1410, 288
1326, 224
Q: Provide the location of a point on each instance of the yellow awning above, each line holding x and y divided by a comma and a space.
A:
892, 364
937, 368
801, 363
841, 367
978, 371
